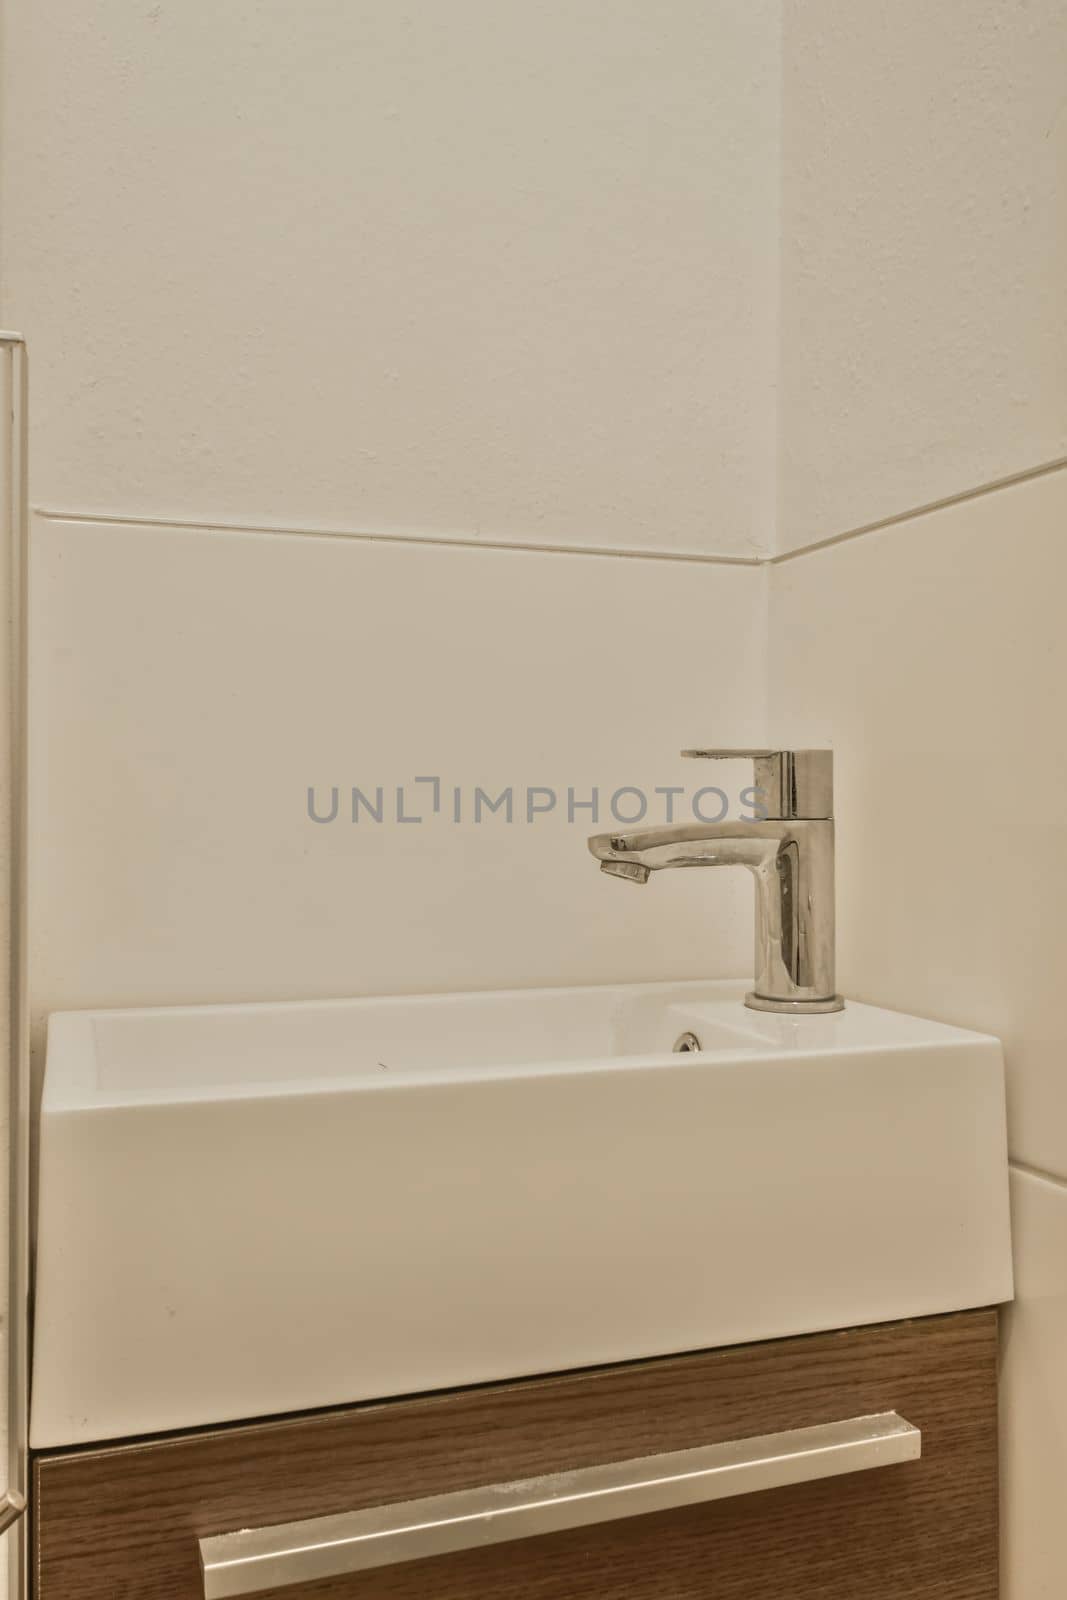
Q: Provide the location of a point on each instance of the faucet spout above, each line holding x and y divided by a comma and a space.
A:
792, 861
698, 844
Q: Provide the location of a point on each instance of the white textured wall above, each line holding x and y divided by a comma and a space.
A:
924, 253
488, 269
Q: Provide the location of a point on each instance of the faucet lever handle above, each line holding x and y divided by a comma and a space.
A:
795, 784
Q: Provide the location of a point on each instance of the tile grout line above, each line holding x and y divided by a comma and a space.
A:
531, 547
1045, 469
1031, 1171
456, 541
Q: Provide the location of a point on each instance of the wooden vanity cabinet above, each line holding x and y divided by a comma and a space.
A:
123, 1522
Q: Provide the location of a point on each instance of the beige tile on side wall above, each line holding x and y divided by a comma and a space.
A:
1034, 1397
933, 656
924, 252
188, 687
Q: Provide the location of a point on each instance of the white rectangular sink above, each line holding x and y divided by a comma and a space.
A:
248, 1210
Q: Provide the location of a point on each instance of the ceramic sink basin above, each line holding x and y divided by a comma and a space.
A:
247, 1210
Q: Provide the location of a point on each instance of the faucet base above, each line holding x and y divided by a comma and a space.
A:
794, 1008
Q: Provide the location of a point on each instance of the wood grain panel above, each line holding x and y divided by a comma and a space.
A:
122, 1523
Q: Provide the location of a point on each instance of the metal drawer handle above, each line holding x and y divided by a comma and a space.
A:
255, 1559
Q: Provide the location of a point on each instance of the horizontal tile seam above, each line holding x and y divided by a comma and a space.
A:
532, 547
1031, 1171
961, 497
445, 541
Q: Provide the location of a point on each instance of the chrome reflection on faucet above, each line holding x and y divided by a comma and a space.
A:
791, 857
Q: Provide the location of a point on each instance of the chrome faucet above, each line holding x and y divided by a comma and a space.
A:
790, 853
